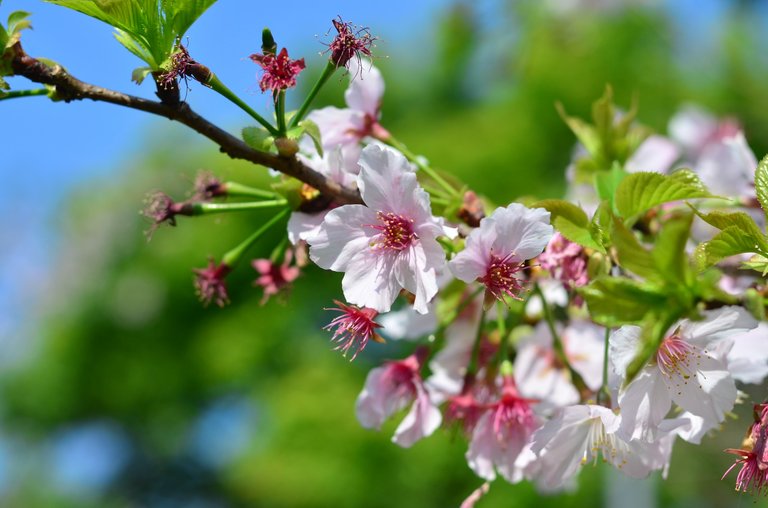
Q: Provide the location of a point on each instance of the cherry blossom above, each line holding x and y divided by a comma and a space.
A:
494, 253
388, 244
391, 388
353, 328
686, 369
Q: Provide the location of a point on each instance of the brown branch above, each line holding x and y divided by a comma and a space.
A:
69, 88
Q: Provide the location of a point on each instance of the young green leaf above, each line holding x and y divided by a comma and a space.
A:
571, 221
640, 192
607, 182
729, 242
761, 185
669, 254
313, 131
614, 301
147, 28
632, 255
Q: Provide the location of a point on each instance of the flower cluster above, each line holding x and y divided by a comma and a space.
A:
549, 334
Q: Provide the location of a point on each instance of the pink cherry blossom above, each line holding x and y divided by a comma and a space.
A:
728, 167
279, 71
753, 475
566, 261
391, 388
501, 434
693, 128
495, 252
388, 244
353, 328
360, 119
686, 369
274, 278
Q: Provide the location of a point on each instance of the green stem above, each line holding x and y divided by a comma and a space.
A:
472, 367
280, 113
330, 68
238, 189
557, 344
233, 256
206, 208
394, 143
15, 94
215, 83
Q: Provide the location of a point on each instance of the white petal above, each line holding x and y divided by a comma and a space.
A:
691, 127
644, 404
481, 448
369, 280
341, 236
584, 344
624, 344
421, 421
656, 154
472, 262
408, 324
366, 87
709, 394
369, 407
717, 324
302, 226
414, 273
522, 231
728, 167
338, 126
387, 183
748, 356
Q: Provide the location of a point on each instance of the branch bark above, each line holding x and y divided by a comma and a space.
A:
69, 88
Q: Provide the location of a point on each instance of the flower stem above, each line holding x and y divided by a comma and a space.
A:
280, 113
557, 344
215, 83
206, 208
234, 255
238, 189
14, 94
330, 68
394, 143
475, 358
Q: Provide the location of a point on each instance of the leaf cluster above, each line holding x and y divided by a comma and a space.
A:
149, 29
10, 35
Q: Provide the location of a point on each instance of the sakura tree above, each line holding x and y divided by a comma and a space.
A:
551, 333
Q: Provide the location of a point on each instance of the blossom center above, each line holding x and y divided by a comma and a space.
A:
675, 357
611, 448
500, 277
396, 232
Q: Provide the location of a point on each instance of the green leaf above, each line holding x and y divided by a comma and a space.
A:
761, 185
753, 301
741, 220
139, 74
584, 132
313, 131
18, 21
147, 28
258, 139
640, 192
607, 182
758, 263
614, 301
669, 253
728, 242
571, 221
632, 255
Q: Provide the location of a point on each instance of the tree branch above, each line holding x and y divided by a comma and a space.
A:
69, 88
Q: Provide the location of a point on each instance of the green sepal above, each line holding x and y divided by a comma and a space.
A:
311, 129
290, 189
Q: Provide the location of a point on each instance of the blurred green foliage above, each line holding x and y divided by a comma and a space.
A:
122, 337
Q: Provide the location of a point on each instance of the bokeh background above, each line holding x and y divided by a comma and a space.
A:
118, 389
